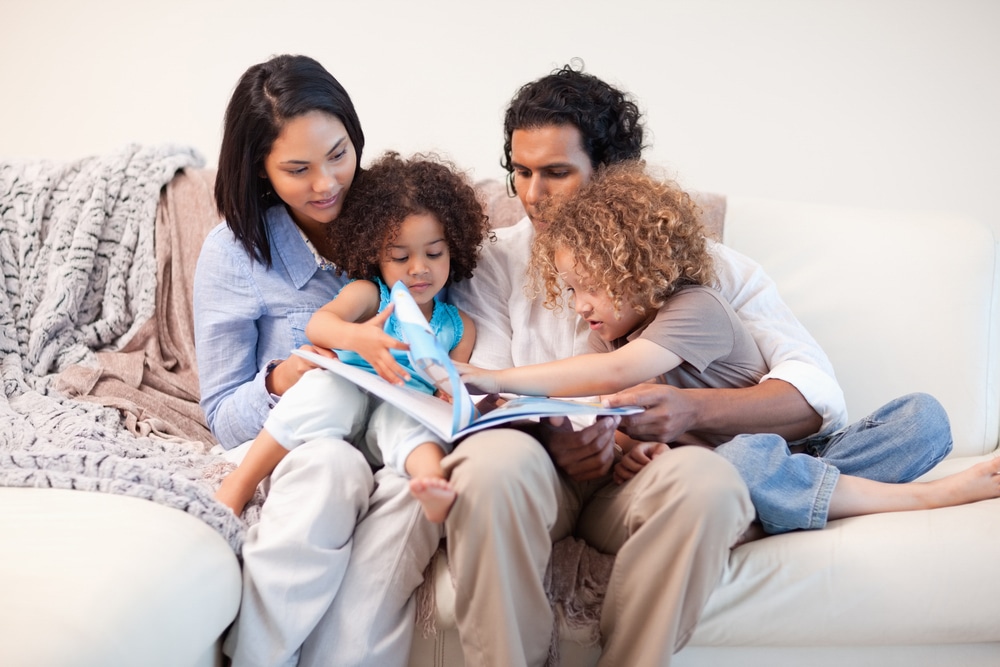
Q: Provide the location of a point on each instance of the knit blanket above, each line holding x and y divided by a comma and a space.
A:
78, 254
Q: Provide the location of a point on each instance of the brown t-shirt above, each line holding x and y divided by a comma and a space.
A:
702, 329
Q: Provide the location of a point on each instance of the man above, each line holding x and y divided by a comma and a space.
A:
671, 526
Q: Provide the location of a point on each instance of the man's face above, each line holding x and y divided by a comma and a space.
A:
548, 161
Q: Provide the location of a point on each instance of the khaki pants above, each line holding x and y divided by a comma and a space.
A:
671, 527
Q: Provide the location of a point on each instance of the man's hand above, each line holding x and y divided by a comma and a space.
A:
291, 369
672, 414
490, 402
583, 455
669, 412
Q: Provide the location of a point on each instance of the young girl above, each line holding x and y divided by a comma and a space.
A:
415, 221
630, 254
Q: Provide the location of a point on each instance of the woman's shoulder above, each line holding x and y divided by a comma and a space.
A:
220, 249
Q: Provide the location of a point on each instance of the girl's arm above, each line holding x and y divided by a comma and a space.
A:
352, 322
635, 362
462, 352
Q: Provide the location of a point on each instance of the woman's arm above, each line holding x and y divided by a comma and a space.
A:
226, 309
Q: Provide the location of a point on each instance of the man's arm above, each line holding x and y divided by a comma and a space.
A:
791, 353
773, 406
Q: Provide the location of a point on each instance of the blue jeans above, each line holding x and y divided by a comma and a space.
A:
897, 443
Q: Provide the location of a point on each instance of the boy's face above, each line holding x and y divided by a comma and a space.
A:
419, 257
548, 161
594, 305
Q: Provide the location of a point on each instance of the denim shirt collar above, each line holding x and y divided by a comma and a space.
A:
289, 248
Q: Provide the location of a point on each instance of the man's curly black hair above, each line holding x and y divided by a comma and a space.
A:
393, 188
608, 119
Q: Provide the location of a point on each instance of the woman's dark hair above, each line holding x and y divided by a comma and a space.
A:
608, 119
390, 190
267, 96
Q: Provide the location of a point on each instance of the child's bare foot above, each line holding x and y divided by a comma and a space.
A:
980, 482
435, 495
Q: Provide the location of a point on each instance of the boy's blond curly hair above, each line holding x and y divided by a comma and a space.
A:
636, 237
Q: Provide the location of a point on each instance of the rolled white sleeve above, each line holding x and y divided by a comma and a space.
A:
791, 353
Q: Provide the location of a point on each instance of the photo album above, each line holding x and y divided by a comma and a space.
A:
460, 417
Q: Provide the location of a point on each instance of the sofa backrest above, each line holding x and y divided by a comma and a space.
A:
901, 302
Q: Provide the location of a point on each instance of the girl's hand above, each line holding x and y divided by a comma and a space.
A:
479, 380
375, 346
637, 458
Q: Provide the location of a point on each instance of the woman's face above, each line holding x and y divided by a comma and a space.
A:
311, 166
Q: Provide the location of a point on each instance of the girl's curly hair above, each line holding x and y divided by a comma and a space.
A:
390, 190
634, 236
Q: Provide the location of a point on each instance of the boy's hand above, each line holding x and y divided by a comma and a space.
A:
479, 380
637, 458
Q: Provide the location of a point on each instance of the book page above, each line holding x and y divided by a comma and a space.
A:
429, 357
432, 412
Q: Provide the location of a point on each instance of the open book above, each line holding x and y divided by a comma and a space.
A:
459, 418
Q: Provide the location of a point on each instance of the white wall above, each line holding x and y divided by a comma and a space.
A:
887, 103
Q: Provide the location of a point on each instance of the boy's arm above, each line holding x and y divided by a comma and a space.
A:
638, 361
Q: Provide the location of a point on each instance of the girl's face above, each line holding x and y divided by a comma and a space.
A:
419, 257
311, 166
594, 305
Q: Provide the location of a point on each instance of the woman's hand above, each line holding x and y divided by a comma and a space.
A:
288, 372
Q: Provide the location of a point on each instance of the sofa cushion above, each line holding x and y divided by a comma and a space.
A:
103, 580
901, 302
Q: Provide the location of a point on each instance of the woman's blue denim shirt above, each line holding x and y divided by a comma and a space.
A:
246, 315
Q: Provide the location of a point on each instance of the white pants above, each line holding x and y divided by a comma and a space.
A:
329, 569
324, 405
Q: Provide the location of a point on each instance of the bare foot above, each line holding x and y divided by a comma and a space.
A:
435, 495
980, 482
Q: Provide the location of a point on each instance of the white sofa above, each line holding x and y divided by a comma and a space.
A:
901, 302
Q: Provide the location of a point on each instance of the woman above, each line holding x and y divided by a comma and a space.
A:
329, 567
